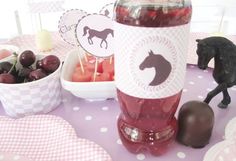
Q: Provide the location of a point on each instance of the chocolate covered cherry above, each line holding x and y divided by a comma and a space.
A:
50, 63
195, 121
27, 58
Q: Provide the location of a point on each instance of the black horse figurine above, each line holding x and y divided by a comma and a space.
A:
224, 53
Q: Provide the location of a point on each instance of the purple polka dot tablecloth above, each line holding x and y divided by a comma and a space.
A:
96, 120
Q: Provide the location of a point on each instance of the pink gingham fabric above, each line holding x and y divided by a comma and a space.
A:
27, 42
47, 138
12, 157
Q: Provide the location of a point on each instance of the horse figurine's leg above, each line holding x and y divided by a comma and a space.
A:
226, 100
217, 90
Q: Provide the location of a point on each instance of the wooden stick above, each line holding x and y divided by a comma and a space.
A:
85, 57
110, 60
96, 68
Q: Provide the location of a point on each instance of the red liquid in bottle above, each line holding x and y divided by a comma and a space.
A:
149, 124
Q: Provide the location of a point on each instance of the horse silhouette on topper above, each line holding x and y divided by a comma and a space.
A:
161, 65
99, 34
224, 73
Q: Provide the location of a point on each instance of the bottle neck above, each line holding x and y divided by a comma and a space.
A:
152, 13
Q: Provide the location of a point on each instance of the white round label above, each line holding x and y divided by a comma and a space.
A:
150, 62
67, 24
107, 10
95, 35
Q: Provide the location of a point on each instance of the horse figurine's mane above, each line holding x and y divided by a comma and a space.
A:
215, 41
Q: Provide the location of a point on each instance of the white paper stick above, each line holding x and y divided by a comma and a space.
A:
96, 68
40, 22
221, 20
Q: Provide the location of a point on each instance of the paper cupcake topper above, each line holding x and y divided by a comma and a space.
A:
95, 35
107, 10
67, 25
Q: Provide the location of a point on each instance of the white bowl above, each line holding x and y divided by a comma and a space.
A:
37, 97
11, 48
86, 90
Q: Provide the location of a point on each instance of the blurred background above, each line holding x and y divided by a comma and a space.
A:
21, 17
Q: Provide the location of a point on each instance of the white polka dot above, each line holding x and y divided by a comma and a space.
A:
119, 142
192, 66
214, 82
200, 77
103, 129
88, 118
191, 82
205, 71
140, 156
223, 137
17, 157
117, 116
200, 97
181, 155
1, 157
185, 90
76, 108
105, 108
226, 150
221, 158
209, 89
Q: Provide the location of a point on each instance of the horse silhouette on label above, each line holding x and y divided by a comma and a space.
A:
99, 34
161, 65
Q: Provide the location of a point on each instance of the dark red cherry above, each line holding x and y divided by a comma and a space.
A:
27, 58
5, 67
7, 78
37, 74
50, 63
24, 72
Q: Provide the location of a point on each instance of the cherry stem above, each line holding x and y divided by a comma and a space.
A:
14, 64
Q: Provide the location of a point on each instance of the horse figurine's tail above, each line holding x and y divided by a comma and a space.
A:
86, 28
